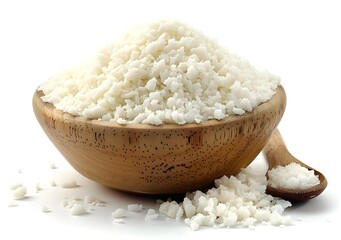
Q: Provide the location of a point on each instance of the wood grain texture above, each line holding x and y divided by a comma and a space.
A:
160, 159
277, 154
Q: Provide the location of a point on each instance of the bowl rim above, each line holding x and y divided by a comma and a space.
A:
56, 113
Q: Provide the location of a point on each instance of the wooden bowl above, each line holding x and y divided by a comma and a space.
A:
162, 159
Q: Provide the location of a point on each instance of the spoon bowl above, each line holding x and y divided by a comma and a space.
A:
277, 154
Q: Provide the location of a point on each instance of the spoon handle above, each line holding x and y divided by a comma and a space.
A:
276, 152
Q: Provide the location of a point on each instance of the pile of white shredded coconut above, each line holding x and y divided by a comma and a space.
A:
164, 72
292, 176
235, 201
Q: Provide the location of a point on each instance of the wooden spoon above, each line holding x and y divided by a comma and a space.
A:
277, 154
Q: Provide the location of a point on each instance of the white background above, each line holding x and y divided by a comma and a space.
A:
297, 40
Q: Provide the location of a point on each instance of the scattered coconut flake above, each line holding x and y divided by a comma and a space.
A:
99, 204
64, 203
52, 165
53, 183
195, 222
78, 209
18, 191
19, 170
118, 213
173, 209
38, 188
118, 220
76, 198
12, 204
93, 201
292, 176
151, 215
68, 203
189, 208
134, 207
69, 184
15, 186
90, 199
44, 209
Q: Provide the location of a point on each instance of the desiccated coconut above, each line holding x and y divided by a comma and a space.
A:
44, 209
164, 72
38, 188
78, 209
234, 201
151, 215
134, 207
68, 184
12, 204
18, 191
118, 220
118, 213
93, 201
292, 176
